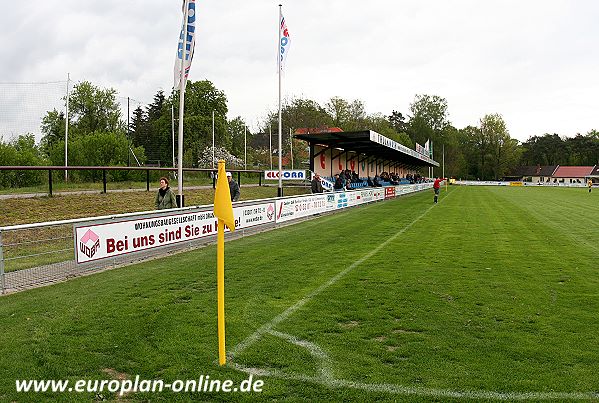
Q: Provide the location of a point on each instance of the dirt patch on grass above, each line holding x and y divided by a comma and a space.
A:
114, 374
349, 325
381, 339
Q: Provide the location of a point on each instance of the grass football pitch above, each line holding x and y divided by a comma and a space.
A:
493, 294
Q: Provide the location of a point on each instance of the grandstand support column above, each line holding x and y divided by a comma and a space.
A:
66, 132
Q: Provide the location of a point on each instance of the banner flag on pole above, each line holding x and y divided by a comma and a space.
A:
180, 64
223, 208
285, 42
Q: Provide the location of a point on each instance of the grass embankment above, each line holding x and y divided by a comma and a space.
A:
63, 207
59, 185
492, 292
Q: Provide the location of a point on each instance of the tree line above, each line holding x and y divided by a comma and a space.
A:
99, 135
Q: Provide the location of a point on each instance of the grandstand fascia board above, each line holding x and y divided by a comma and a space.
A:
394, 145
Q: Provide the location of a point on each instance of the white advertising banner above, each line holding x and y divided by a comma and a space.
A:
298, 207
106, 240
287, 175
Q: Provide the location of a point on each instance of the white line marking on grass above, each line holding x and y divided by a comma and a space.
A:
251, 339
325, 369
418, 391
326, 378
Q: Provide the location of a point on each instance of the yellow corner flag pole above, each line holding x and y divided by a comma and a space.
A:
220, 280
223, 210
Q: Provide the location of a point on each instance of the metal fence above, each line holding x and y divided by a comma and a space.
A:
33, 255
39, 254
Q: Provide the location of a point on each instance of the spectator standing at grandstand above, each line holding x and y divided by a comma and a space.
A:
339, 183
437, 187
316, 184
233, 187
369, 182
165, 198
590, 185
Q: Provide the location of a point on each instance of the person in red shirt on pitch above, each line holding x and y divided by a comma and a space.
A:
437, 187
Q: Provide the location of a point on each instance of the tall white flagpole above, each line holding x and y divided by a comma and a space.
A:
280, 190
291, 146
173, 131
181, 104
270, 143
66, 133
213, 139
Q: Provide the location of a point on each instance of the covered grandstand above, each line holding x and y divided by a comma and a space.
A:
366, 152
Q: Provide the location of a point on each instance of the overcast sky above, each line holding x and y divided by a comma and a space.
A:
533, 61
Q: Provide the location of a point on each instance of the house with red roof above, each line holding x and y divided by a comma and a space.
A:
569, 174
594, 176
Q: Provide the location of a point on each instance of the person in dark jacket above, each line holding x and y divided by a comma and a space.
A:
316, 184
165, 198
339, 183
233, 188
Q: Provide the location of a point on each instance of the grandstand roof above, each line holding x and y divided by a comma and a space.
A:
595, 171
572, 172
370, 143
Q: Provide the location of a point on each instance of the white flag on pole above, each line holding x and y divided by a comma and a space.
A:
285, 42
190, 39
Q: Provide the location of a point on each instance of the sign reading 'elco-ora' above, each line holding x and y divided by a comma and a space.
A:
287, 174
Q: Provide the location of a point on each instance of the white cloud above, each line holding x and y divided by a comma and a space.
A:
533, 62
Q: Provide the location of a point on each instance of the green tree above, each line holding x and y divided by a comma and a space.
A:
98, 149
503, 151
429, 118
138, 128
53, 130
582, 150
548, 149
92, 109
398, 122
21, 151
477, 148
201, 98
381, 124
239, 131
456, 164
350, 116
